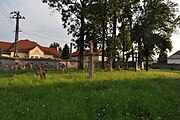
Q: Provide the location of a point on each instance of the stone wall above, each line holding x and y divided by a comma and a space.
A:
7, 63
166, 66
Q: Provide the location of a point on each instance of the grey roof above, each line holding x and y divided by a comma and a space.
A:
176, 55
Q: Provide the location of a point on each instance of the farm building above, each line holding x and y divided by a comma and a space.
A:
174, 59
28, 49
97, 55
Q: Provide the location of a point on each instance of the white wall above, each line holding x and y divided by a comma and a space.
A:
23, 55
36, 53
6, 55
48, 56
173, 61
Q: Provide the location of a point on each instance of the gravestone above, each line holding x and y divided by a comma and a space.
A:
41, 70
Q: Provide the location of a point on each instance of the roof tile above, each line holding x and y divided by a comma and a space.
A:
26, 46
5, 46
85, 53
175, 55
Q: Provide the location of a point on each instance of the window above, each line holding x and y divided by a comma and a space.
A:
35, 56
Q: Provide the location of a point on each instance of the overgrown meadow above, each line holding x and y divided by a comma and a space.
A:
70, 95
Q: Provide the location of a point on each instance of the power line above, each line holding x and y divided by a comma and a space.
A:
17, 4
4, 18
9, 6
4, 9
5, 13
7, 23
41, 36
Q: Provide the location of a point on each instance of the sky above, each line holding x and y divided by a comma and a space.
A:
42, 25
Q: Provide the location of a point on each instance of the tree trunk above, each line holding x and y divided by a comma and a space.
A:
110, 62
103, 49
147, 62
139, 55
126, 64
114, 35
133, 64
130, 22
118, 64
103, 35
123, 38
114, 63
81, 56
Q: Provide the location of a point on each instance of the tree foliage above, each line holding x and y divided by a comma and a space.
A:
73, 16
56, 46
120, 26
65, 52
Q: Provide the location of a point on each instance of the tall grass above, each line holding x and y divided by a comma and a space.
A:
117, 95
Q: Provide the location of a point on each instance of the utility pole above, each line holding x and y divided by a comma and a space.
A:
17, 16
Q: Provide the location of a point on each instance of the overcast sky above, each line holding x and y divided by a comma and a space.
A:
41, 25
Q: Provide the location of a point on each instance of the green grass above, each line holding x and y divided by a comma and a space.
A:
117, 95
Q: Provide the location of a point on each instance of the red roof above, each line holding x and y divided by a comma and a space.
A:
50, 51
26, 46
5, 45
85, 53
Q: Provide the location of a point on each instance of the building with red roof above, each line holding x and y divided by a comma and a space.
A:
97, 55
28, 49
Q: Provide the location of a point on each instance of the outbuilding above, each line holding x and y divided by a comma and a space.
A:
174, 59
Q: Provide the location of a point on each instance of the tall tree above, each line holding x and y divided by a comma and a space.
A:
125, 27
113, 12
164, 45
65, 52
144, 22
157, 18
98, 19
104, 28
73, 16
162, 57
56, 46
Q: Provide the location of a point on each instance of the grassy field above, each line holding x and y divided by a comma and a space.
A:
117, 95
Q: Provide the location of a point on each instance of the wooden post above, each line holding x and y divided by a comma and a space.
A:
91, 61
110, 61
